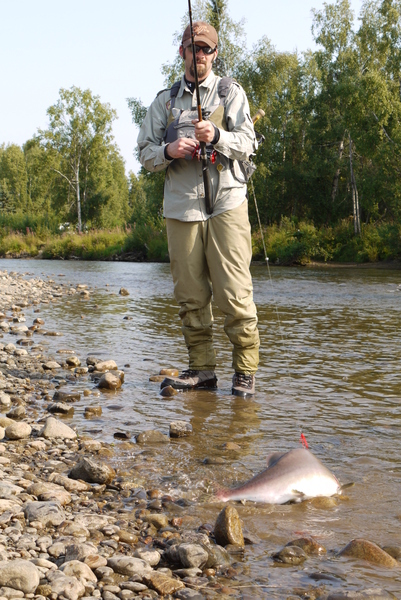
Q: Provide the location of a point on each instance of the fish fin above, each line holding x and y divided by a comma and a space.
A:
273, 458
299, 496
346, 486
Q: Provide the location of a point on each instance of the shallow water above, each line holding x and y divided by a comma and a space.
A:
330, 368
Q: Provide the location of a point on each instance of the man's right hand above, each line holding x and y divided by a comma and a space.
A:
181, 148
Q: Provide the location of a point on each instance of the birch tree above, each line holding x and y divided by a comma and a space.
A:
78, 124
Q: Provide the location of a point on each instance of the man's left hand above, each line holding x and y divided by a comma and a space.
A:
204, 131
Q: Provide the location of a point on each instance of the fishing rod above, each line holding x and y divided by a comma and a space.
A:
207, 183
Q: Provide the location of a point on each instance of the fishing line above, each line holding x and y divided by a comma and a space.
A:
275, 304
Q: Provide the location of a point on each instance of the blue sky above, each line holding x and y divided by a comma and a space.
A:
116, 50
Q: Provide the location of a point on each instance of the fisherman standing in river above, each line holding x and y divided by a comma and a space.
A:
209, 244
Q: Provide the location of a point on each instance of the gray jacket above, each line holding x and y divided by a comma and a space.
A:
183, 188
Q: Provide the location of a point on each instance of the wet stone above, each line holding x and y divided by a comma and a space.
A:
308, 545
92, 411
365, 550
152, 437
163, 584
169, 372
168, 391
228, 529
109, 381
180, 429
290, 555
92, 471
61, 408
66, 396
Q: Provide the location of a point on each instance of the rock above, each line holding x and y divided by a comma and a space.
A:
109, 381
79, 570
169, 372
18, 431
60, 408
218, 556
48, 491
308, 545
157, 520
192, 555
17, 413
69, 484
152, 557
73, 361
66, 587
163, 584
66, 396
105, 365
131, 538
92, 471
290, 555
51, 365
180, 429
20, 575
369, 551
54, 428
231, 446
47, 513
129, 565
152, 437
228, 529
123, 292
80, 551
92, 411
394, 551
168, 391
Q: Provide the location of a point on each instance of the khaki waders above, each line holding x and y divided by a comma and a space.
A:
208, 257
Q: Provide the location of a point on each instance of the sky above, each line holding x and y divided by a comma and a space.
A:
115, 49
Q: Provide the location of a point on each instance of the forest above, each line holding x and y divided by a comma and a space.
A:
327, 184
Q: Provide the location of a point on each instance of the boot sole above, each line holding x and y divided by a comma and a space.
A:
210, 384
241, 394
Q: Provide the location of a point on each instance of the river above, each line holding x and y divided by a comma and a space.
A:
330, 368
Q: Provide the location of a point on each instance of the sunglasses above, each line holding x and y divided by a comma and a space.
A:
205, 50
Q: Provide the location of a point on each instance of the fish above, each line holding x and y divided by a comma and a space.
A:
292, 476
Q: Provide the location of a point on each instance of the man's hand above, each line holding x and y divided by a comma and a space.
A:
181, 148
204, 131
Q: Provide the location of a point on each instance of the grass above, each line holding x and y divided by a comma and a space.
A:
289, 243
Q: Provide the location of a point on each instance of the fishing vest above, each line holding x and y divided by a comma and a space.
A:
179, 123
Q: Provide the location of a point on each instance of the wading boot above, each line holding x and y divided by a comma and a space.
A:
243, 385
192, 380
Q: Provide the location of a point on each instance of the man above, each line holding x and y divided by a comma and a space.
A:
209, 254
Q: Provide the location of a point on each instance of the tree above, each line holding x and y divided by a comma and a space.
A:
79, 126
13, 179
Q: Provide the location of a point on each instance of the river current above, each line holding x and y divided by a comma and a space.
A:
330, 369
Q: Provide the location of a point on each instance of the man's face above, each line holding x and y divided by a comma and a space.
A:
204, 61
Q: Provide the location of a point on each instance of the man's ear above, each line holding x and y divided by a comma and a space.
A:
182, 51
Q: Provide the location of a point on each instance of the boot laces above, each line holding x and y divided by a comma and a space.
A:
244, 380
188, 374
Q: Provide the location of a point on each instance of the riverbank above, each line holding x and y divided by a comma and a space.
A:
75, 523
71, 525
289, 243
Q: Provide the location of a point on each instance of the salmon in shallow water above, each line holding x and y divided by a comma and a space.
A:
290, 477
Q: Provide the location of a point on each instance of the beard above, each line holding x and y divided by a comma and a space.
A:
201, 69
